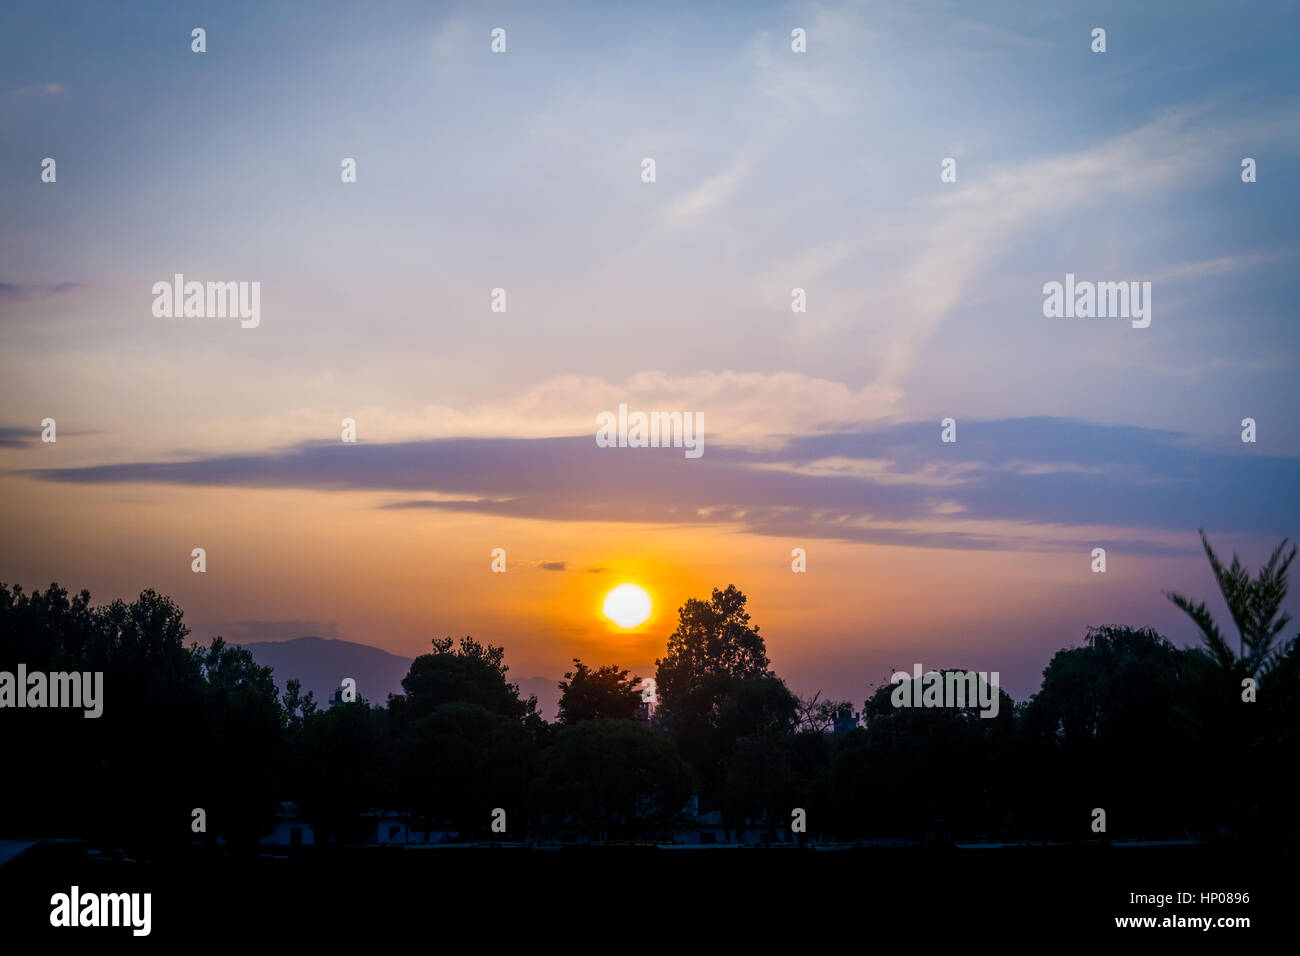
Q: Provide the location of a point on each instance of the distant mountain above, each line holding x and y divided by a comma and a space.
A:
321, 663
547, 690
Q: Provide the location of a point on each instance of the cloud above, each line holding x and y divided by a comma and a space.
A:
38, 90
12, 436
552, 565
1014, 484
938, 249
23, 436
749, 407
451, 39
709, 194
10, 292
964, 230
1208, 268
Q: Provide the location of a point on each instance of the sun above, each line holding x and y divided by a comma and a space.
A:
627, 606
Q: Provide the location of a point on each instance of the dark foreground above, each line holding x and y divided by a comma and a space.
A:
610, 897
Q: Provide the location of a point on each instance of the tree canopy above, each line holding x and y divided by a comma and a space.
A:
1172, 741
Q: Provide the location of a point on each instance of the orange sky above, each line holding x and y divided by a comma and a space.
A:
332, 563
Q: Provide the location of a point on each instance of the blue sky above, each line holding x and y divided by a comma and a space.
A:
775, 171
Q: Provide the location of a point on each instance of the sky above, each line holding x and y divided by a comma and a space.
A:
775, 170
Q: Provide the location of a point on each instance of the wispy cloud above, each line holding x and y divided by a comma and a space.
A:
12, 436
38, 90
452, 39
1209, 268
15, 292
708, 195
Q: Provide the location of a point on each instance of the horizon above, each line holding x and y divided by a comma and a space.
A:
528, 685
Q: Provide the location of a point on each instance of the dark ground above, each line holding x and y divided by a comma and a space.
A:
610, 898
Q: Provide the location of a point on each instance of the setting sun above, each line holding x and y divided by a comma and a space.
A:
627, 605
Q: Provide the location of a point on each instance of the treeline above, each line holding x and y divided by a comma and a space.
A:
1171, 743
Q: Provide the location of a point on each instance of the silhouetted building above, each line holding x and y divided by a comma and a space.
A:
290, 829
845, 721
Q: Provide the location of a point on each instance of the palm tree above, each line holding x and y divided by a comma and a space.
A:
1255, 605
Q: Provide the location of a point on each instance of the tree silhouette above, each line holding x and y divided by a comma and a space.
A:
1106, 729
609, 779
464, 738
207, 716
820, 715
337, 768
608, 691
472, 673
1255, 605
927, 769
1168, 740
458, 763
713, 642
1236, 735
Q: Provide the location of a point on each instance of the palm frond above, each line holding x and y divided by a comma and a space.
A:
1210, 634
1269, 591
1235, 586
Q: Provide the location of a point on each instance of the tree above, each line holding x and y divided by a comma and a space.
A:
716, 689
460, 762
1245, 746
756, 706
929, 767
1107, 729
609, 779
1255, 605
58, 750
155, 711
713, 642
464, 738
297, 705
473, 673
243, 726
819, 716
608, 691
338, 768
207, 715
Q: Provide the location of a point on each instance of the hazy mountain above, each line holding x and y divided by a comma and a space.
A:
547, 690
321, 663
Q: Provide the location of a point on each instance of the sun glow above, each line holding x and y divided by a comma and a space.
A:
627, 606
